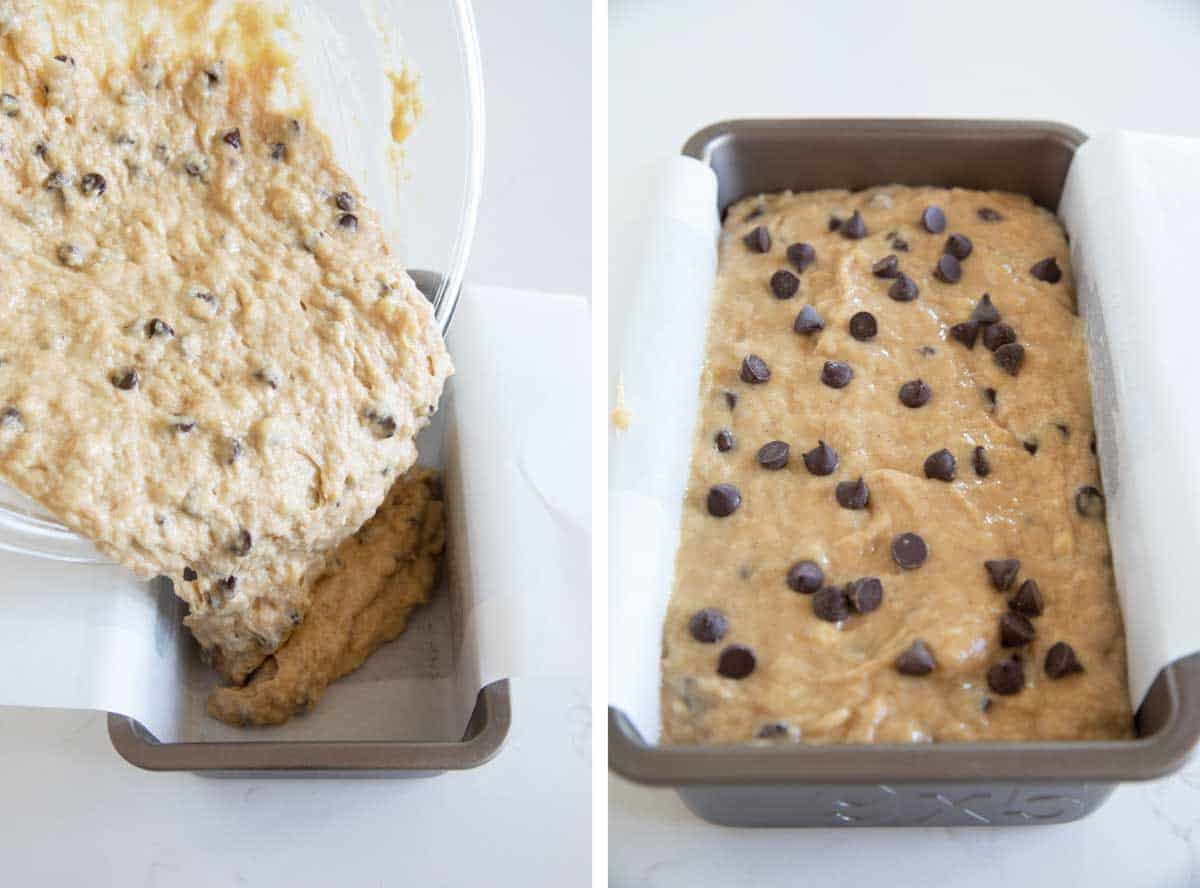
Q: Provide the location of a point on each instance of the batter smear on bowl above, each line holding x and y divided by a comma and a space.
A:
935, 566
210, 363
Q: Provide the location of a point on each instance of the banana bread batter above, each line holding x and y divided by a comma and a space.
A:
894, 529
210, 363
370, 586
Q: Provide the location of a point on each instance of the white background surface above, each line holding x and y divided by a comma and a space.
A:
676, 66
77, 814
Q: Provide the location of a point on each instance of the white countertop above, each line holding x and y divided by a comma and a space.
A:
677, 65
77, 814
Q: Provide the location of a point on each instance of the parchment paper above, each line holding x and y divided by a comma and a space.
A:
1130, 207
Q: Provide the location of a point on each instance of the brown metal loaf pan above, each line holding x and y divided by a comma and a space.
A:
945, 784
481, 741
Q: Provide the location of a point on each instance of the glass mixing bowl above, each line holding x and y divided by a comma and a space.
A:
426, 190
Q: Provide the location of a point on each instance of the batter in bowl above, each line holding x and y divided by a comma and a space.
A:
893, 530
210, 363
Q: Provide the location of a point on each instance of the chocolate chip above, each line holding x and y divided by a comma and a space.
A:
279, 151
966, 333
93, 183
916, 660
863, 326
996, 335
65, 59
821, 460
182, 428
773, 455
755, 370
897, 242
736, 661
228, 583
54, 181
348, 221
805, 577
903, 289
731, 399
852, 494
233, 138
989, 398
1015, 630
836, 374
864, 594
915, 393
344, 201
985, 312
854, 227
940, 466
987, 214
10, 418
1010, 357
708, 625
383, 426
1031, 447
205, 296
1028, 600
233, 450
808, 321
774, 731
723, 500
830, 604
959, 246
69, 255
724, 440
909, 551
933, 220
887, 267
979, 462
801, 256
195, 166
158, 327
1007, 676
267, 376
947, 269
1047, 270
242, 543
1002, 572
189, 575
1089, 502
126, 379
9, 105
1061, 661
834, 223
758, 240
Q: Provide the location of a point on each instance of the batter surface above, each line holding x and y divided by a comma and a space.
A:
938, 569
370, 586
210, 363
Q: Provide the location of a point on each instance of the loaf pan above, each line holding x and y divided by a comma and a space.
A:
484, 735
256, 758
944, 784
